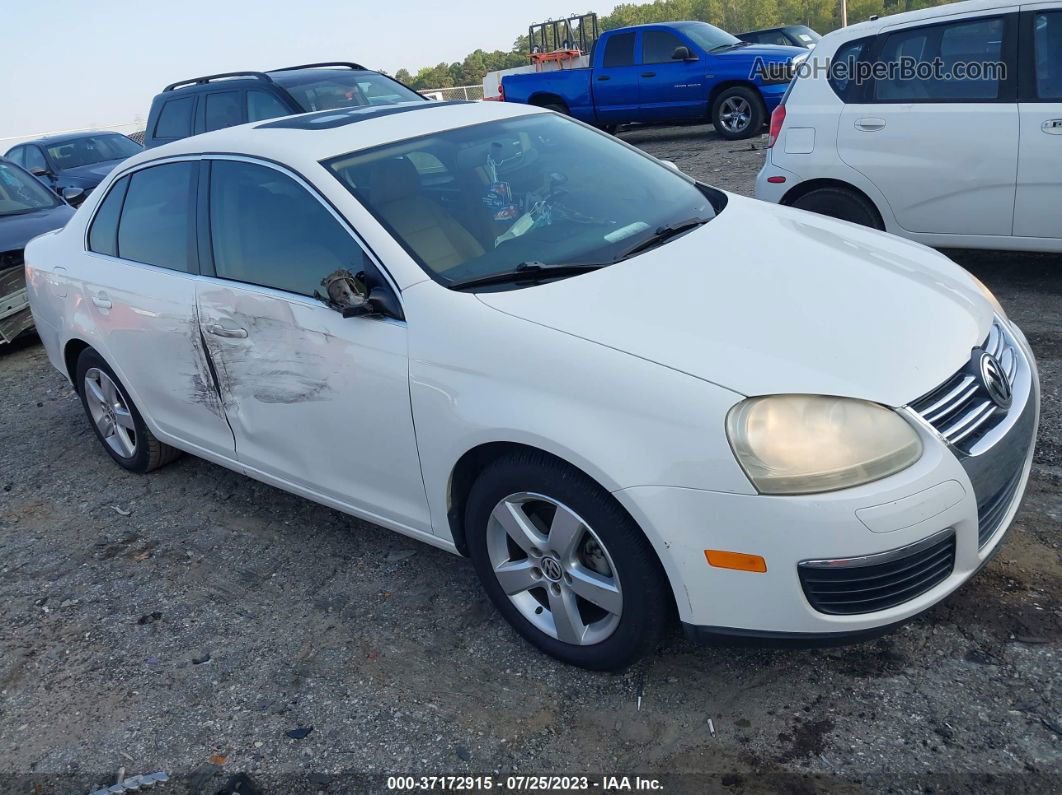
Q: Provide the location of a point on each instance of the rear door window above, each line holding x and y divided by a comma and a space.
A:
619, 50
175, 119
223, 109
955, 46
156, 226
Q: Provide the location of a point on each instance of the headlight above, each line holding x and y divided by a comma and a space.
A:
988, 296
802, 444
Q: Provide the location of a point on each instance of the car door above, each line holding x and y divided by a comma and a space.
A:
941, 148
1039, 190
139, 284
315, 399
615, 81
670, 89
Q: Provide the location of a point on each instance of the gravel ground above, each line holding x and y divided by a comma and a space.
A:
188, 620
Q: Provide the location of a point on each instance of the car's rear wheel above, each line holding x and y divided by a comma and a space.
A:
845, 205
738, 113
115, 419
565, 564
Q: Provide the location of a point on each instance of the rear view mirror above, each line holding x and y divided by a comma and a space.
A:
349, 294
683, 54
40, 172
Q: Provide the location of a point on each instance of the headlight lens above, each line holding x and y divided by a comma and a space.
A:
989, 296
802, 444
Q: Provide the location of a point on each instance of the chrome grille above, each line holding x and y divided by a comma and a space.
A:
960, 409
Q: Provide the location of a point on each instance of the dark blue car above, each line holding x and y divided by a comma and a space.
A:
667, 73
27, 209
74, 161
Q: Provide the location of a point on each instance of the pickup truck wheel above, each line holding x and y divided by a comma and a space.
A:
555, 106
845, 205
738, 113
115, 419
565, 564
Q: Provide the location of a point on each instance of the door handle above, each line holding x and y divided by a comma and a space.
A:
870, 125
221, 331
1052, 126
101, 300
648, 74
602, 77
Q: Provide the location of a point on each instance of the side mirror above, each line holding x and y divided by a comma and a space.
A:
40, 172
74, 196
348, 294
671, 165
683, 54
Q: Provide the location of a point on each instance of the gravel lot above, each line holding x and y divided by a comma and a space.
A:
188, 620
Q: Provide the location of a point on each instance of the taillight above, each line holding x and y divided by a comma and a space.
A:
501, 91
777, 119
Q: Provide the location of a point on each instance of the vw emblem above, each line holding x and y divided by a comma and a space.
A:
551, 568
994, 380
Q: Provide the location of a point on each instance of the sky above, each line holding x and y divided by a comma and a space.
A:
71, 64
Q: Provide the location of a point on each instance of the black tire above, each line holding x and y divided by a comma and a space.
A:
611, 129
555, 106
840, 203
648, 605
757, 113
149, 453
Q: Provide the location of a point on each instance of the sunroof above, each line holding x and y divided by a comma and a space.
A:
329, 119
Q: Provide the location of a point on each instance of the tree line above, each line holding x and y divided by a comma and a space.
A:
735, 16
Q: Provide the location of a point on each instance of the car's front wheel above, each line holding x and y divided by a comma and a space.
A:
115, 419
565, 564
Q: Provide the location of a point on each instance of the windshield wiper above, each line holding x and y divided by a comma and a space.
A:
721, 47
663, 233
531, 271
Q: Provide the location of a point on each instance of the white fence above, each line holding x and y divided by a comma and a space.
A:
457, 92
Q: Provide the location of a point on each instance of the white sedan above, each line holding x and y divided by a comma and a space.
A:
504, 333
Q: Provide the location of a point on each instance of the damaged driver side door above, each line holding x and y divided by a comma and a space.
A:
316, 400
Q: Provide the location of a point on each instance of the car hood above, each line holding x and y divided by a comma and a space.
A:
769, 52
92, 174
17, 230
767, 300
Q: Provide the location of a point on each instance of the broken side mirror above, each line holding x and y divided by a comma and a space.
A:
350, 295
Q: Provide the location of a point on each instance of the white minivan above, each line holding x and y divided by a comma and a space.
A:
963, 149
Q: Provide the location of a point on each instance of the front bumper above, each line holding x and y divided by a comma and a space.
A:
938, 494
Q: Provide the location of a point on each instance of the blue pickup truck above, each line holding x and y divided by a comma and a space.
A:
667, 73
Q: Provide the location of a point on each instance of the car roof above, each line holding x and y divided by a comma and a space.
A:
872, 26
278, 77
302, 140
64, 137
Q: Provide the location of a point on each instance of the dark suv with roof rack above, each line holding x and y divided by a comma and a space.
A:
201, 104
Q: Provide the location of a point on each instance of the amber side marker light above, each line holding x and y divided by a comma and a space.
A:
722, 559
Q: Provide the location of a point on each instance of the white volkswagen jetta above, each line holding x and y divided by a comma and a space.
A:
499, 331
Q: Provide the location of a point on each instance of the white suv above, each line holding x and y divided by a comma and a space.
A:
965, 154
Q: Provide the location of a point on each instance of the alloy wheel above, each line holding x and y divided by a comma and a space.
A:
110, 413
735, 114
554, 569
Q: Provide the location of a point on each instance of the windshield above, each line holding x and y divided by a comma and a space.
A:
708, 37
328, 89
486, 199
91, 149
21, 193
805, 34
